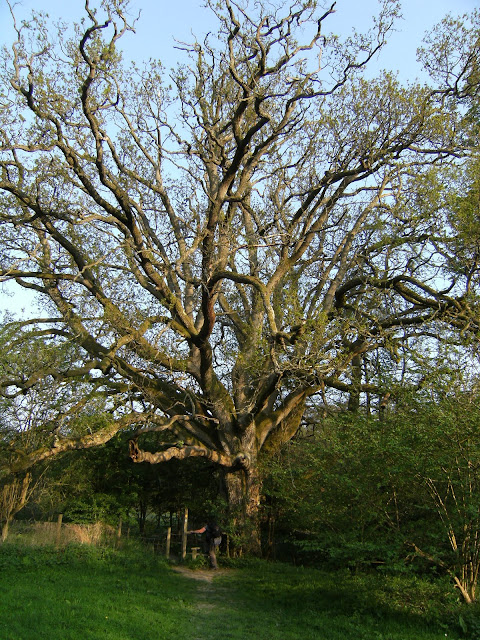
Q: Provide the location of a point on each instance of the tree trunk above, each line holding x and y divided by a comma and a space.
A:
5, 528
141, 517
243, 493
468, 591
13, 497
356, 375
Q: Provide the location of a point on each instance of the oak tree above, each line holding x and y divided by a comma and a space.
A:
218, 247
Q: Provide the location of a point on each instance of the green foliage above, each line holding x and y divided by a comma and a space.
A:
463, 210
367, 491
103, 484
337, 493
96, 507
200, 562
469, 622
446, 462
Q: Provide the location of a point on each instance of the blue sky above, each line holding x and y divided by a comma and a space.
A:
162, 21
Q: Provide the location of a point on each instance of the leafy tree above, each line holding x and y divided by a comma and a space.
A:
13, 497
214, 254
447, 463
463, 204
371, 489
103, 484
345, 494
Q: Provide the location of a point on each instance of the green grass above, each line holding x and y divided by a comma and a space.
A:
83, 593
90, 594
295, 603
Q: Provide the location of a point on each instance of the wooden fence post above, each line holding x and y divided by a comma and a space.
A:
59, 529
169, 539
195, 551
119, 531
184, 534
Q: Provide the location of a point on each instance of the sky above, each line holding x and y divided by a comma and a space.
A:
162, 22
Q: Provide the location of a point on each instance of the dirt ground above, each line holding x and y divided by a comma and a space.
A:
204, 575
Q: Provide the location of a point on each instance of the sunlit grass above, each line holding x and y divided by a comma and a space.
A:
70, 595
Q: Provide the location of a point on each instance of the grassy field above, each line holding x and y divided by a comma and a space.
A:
82, 593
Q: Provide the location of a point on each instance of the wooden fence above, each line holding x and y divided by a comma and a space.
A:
163, 543
60, 534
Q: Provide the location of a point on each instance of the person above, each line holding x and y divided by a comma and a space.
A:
213, 538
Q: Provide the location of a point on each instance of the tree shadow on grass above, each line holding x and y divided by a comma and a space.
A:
294, 604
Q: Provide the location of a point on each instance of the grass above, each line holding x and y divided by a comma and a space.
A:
91, 594
84, 593
316, 605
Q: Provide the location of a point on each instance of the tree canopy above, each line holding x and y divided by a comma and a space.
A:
218, 247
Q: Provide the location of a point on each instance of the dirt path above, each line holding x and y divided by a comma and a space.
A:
203, 575
207, 591
209, 595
